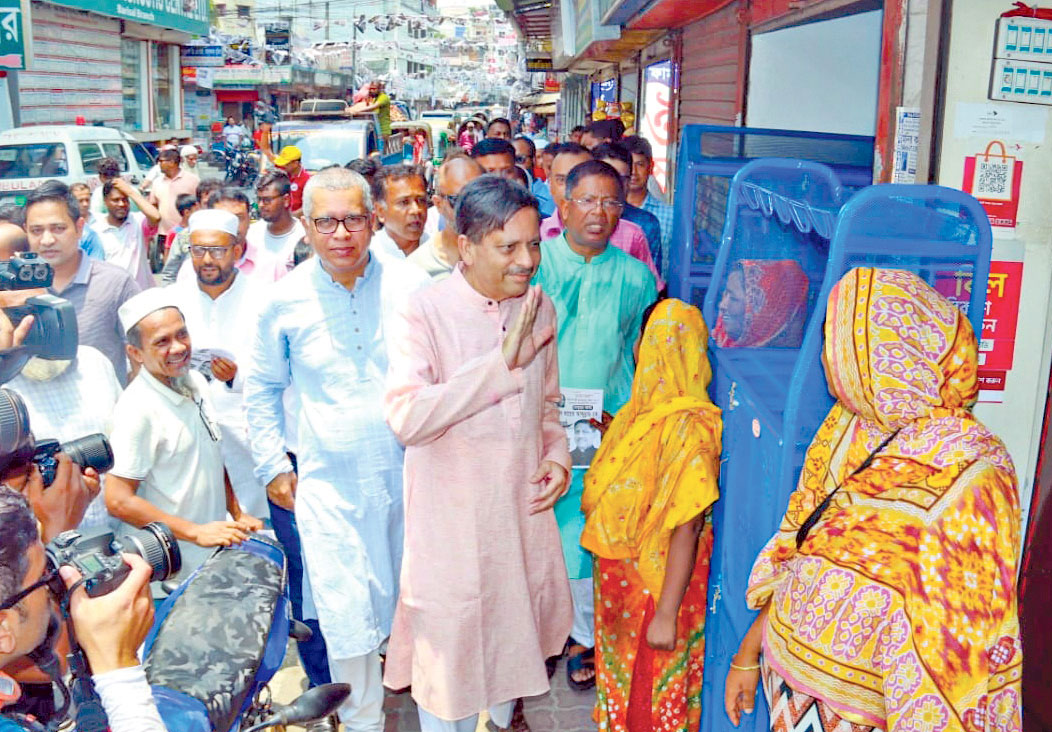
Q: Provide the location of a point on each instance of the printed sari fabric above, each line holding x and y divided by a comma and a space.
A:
795, 711
775, 305
656, 470
899, 610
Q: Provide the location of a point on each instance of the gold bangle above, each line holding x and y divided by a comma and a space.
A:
745, 668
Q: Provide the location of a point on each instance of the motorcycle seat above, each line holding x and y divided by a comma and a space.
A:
213, 639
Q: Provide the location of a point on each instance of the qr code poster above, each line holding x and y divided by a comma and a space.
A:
994, 177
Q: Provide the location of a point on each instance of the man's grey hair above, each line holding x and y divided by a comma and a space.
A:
335, 179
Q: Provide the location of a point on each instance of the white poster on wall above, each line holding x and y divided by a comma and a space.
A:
657, 86
907, 139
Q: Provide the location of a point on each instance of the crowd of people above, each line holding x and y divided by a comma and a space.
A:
374, 372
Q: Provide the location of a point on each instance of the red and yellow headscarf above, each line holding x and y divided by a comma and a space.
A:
899, 610
657, 466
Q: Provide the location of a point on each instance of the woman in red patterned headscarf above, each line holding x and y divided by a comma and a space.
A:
764, 304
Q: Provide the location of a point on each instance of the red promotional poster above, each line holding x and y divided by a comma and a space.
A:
1000, 320
994, 178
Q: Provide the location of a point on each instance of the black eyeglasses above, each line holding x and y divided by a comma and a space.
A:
451, 200
328, 224
212, 427
50, 574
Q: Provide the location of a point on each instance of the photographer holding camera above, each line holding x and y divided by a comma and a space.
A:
109, 628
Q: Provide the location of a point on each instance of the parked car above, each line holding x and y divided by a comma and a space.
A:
69, 153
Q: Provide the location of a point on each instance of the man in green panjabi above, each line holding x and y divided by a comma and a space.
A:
600, 293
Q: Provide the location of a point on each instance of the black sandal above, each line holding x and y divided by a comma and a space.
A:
549, 663
581, 661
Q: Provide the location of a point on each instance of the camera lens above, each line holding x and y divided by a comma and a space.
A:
90, 451
41, 272
16, 439
25, 274
157, 545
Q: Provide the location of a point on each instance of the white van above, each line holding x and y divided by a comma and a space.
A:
69, 153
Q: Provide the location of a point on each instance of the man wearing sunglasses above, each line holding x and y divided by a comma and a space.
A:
324, 333
439, 255
109, 628
168, 465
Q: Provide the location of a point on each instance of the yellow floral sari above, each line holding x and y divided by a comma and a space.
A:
655, 471
899, 610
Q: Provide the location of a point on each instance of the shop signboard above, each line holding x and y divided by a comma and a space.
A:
237, 77
188, 16
604, 91
1000, 320
657, 94
277, 36
14, 31
277, 74
539, 64
201, 55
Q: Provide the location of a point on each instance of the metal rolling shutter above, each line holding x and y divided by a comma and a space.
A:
76, 69
709, 81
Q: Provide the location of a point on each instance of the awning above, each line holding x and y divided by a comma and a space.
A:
237, 95
543, 109
536, 100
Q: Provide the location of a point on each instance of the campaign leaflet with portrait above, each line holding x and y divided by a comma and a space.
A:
577, 409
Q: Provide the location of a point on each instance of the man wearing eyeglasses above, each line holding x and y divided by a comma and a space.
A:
600, 294
324, 333
439, 255
109, 628
277, 233
168, 465
220, 308
627, 237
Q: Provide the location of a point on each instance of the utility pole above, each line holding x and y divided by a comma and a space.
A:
327, 19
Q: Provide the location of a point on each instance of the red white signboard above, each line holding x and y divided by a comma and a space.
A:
995, 178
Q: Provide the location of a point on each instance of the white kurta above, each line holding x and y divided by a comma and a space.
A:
330, 345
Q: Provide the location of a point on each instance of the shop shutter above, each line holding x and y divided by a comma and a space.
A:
710, 70
76, 69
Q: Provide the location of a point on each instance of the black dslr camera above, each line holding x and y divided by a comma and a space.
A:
18, 447
96, 554
54, 332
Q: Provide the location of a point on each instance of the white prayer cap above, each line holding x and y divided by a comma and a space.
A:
148, 301
212, 219
188, 150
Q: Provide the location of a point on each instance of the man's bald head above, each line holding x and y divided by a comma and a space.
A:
13, 240
453, 175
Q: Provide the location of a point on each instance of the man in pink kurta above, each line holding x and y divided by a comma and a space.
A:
472, 391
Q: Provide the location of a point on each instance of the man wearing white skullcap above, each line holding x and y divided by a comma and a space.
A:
220, 307
167, 460
189, 155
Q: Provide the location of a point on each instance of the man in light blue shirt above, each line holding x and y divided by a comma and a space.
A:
323, 333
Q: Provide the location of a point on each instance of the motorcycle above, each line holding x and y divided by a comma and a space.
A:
242, 165
220, 637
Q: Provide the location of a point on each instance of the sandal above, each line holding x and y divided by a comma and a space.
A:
580, 662
549, 663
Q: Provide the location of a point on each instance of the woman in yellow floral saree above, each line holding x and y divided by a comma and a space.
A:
645, 501
896, 609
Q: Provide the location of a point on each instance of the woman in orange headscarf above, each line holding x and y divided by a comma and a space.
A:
764, 304
888, 594
646, 499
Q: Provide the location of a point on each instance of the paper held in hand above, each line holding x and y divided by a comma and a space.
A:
576, 410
